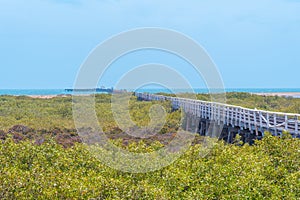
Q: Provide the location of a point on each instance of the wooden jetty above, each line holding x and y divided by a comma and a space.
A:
209, 118
106, 90
97, 90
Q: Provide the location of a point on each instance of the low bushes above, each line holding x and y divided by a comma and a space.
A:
269, 169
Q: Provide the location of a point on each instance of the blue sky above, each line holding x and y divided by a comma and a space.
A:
253, 43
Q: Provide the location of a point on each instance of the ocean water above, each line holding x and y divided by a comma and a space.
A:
20, 92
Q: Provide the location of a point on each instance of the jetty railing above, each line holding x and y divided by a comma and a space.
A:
235, 116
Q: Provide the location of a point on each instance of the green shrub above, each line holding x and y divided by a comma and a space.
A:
267, 170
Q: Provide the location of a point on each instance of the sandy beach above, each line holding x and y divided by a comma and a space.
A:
281, 94
47, 96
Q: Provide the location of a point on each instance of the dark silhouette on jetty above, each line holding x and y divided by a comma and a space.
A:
97, 90
107, 90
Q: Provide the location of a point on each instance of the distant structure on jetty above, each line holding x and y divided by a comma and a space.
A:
97, 90
210, 118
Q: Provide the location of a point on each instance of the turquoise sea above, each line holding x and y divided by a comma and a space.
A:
20, 92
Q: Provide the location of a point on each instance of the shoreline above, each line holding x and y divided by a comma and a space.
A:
280, 94
46, 96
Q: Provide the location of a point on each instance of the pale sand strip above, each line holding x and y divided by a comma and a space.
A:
54, 96
47, 96
281, 94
